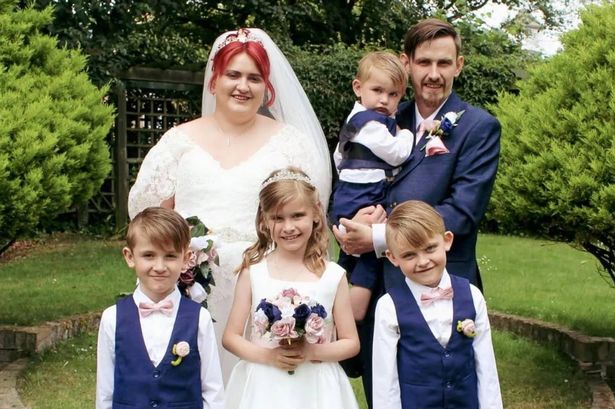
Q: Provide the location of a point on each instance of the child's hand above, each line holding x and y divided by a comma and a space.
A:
288, 355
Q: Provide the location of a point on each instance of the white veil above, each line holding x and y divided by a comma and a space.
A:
291, 105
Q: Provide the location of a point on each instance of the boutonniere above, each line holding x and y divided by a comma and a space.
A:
467, 328
181, 350
437, 130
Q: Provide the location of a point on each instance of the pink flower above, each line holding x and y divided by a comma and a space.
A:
260, 322
428, 125
284, 328
315, 329
191, 263
435, 146
182, 349
467, 328
290, 293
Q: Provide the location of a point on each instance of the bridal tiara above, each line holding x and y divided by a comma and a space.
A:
242, 35
287, 175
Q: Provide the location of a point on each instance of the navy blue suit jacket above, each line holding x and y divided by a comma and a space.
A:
458, 184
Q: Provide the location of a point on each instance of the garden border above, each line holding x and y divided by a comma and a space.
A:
595, 355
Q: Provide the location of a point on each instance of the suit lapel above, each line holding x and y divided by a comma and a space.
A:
453, 103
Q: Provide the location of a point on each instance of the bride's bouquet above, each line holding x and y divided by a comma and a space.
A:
290, 316
196, 278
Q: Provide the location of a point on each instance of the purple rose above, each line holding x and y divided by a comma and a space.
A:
446, 125
272, 312
319, 310
301, 314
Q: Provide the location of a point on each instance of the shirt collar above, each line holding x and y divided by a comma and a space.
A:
418, 289
418, 118
139, 297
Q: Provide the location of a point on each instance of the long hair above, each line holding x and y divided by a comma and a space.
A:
281, 187
255, 50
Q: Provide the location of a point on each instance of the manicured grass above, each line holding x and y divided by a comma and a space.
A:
546, 280
63, 277
531, 377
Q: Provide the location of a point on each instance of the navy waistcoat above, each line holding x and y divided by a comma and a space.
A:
355, 155
431, 376
140, 384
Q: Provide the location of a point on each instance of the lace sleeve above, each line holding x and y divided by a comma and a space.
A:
308, 157
157, 174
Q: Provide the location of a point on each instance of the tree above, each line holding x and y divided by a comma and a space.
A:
557, 173
53, 124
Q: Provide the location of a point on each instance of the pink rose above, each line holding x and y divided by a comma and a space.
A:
284, 328
181, 349
467, 328
435, 146
290, 293
260, 322
315, 329
191, 263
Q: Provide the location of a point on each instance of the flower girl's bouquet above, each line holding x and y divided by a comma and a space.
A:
196, 279
290, 316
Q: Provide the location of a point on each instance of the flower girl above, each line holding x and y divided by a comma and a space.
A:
293, 305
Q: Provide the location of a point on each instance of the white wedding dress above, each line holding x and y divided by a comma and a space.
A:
225, 200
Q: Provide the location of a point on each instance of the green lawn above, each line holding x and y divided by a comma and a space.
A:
546, 280
522, 276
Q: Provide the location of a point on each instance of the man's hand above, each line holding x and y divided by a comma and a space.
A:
356, 240
370, 215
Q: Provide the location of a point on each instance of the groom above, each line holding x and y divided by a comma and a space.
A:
457, 183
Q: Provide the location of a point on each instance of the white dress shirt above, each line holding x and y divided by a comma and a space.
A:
157, 329
374, 135
439, 317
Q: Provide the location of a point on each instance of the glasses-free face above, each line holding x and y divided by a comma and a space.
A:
157, 268
291, 226
432, 69
423, 265
240, 88
378, 92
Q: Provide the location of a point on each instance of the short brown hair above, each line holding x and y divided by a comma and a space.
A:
384, 61
428, 30
413, 223
163, 227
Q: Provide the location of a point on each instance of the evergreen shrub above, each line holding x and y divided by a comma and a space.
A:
53, 124
557, 169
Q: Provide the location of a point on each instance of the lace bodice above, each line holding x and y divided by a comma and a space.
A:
224, 199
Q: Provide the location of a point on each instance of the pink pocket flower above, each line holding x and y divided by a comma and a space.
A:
181, 350
467, 328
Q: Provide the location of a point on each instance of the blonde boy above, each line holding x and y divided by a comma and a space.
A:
432, 339
155, 347
370, 148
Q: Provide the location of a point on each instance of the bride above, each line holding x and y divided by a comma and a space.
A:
212, 167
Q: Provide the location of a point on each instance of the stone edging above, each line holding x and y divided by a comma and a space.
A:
595, 355
17, 342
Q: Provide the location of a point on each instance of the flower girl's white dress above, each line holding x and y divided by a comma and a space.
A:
321, 385
224, 199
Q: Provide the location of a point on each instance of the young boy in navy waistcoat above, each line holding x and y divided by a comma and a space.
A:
370, 147
432, 339
157, 349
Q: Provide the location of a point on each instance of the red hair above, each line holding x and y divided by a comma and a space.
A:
254, 50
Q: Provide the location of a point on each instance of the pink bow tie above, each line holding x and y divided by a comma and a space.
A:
437, 294
165, 307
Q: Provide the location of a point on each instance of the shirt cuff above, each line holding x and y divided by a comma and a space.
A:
379, 239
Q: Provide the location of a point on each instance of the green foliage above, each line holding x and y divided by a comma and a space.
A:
53, 124
557, 174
